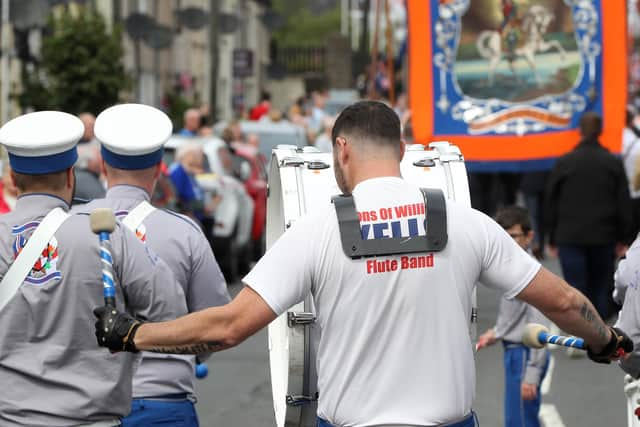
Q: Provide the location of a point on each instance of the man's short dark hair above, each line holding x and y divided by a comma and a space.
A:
510, 216
369, 120
50, 181
591, 124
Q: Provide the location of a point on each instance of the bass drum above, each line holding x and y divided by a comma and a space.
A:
632, 390
301, 180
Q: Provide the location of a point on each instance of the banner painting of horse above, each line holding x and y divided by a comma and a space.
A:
507, 80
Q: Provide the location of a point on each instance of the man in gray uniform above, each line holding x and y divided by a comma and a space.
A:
132, 138
52, 375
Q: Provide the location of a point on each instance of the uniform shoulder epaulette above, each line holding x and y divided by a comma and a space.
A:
183, 218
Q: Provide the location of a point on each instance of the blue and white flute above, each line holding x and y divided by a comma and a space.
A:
537, 336
103, 222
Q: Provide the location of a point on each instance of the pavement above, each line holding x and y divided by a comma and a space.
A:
237, 392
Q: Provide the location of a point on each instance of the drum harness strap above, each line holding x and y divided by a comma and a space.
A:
355, 246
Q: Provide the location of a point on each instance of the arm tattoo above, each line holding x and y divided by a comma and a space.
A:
590, 317
209, 347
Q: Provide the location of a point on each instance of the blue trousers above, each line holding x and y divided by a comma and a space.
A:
518, 412
157, 413
590, 270
469, 422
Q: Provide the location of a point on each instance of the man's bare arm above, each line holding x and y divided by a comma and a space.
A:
209, 330
567, 307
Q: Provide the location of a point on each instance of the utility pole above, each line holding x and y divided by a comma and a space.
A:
364, 35
214, 14
4, 68
374, 53
390, 65
345, 9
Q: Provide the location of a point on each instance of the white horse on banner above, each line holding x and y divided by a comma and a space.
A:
535, 24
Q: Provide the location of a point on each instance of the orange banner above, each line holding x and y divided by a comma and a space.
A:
507, 81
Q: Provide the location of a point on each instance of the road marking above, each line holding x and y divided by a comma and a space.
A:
546, 383
548, 413
549, 416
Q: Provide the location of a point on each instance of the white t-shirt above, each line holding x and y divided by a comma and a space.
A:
630, 152
395, 345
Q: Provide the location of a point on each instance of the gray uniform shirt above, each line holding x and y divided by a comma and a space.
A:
52, 372
182, 245
513, 315
627, 281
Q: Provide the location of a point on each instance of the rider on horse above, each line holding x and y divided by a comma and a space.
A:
511, 27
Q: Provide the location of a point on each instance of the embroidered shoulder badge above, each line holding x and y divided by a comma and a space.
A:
45, 268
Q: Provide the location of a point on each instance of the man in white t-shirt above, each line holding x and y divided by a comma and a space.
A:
630, 157
395, 346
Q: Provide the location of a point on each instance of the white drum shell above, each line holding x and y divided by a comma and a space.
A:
632, 390
295, 189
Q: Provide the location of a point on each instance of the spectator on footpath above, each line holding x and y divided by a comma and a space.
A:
253, 140
524, 368
88, 167
192, 121
190, 197
323, 141
87, 170
88, 120
8, 190
630, 159
532, 186
297, 113
588, 214
263, 107
189, 163
318, 113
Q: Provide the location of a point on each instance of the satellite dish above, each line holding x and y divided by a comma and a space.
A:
318, 7
27, 14
272, 20
59, 2
228, 23
139, 25
160, 37
193, 18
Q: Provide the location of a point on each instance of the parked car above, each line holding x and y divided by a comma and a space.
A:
233, 218
270, 134
339, 99
256, 185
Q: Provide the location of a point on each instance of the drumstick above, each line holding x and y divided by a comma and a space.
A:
537, 336
103, 222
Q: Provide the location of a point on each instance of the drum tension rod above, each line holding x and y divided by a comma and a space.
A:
300, 318
297, 161
298, 400
425, 163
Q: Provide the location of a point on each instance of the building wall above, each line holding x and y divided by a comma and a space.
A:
186, 63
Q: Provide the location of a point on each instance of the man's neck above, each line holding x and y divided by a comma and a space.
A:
375, 169
143, 185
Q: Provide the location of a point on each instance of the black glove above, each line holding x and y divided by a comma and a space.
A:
115, 330
619, 344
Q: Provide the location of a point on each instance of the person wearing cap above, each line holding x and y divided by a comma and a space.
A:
50, 267
163, 384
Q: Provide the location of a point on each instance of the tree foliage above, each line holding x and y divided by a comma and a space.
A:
302, 27
81, 65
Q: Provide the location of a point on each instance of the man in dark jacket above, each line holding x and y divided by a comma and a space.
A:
588, 214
